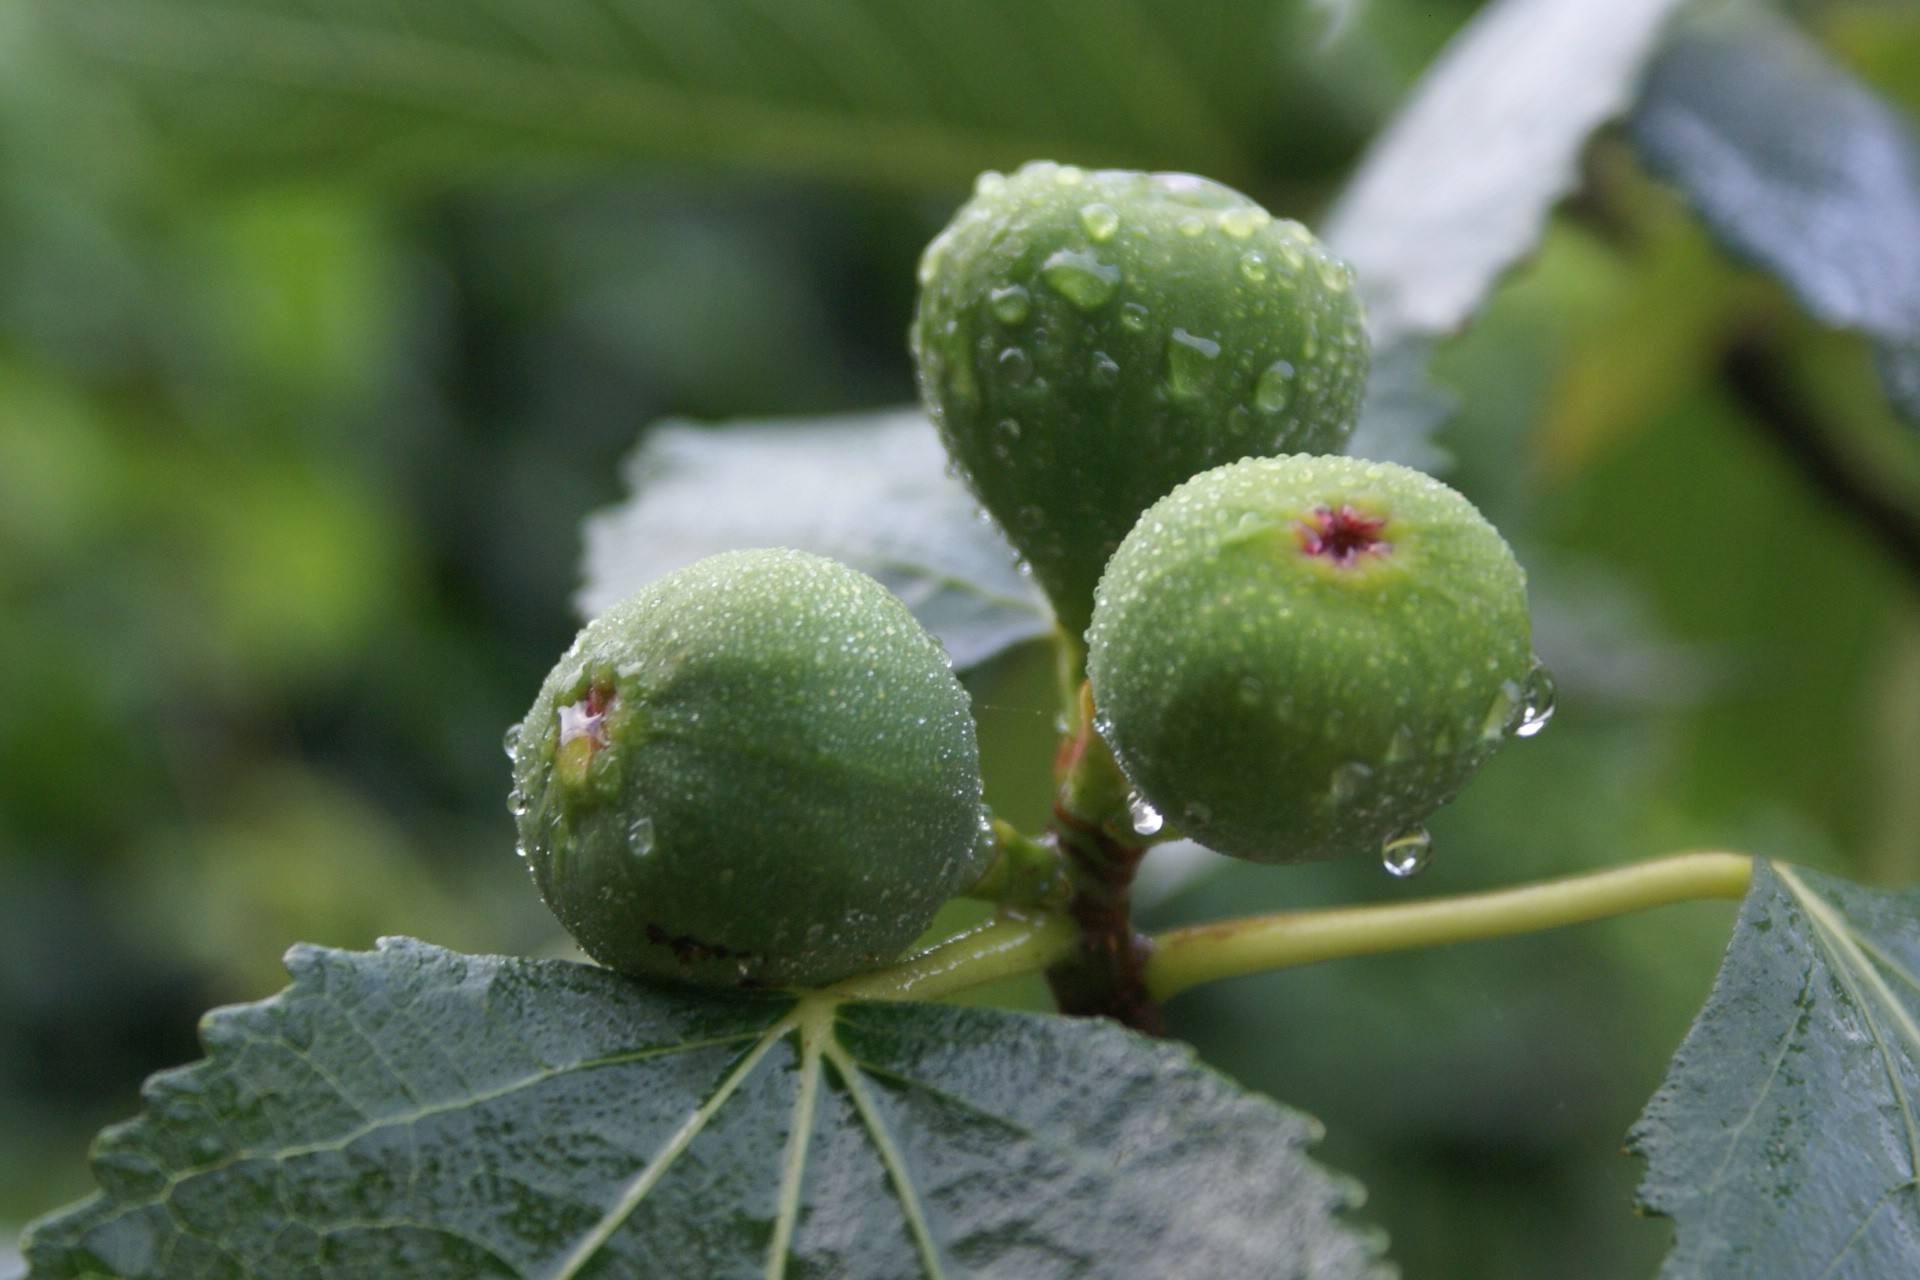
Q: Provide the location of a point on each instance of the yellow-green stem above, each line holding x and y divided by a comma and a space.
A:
1186, 958
1007, 947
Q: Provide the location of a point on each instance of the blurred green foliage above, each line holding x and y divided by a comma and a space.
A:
292, 464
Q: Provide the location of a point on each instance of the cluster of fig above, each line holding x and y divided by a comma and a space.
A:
761, 769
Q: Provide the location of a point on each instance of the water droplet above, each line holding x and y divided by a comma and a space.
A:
1407, 854
1100, 221
1537, 705
1069, 175
512, 742
517, 803
640, 836
1080, 278
1191, 225
1274, 391
1334, 274
1006, 434
1106, 370
1010, 304
1252, 692
1145, 818
1016, 367
1133, 317
989, 182
1190, 362
1347, 782
1244, 221
1253, 265
1400, 746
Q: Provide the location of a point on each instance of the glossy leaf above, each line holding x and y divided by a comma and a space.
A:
1785, 1139
1458, 187
1798, 168
870, 490
925, 94
415, 1112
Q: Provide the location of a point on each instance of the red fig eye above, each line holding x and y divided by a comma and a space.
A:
1343, 536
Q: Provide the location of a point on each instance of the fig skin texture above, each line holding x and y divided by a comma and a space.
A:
1086, 340
759, 770
1302, 657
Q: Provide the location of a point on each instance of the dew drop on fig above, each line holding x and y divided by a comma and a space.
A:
1100, 221
511, 742
1407, 854
1010, 304
1348, 781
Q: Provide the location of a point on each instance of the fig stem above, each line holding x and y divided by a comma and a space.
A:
1025, 872
1009, 946
1092, 827
1185, 958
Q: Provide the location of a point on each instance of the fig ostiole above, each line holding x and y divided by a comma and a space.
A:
1302, 657
1086, 340
758, 770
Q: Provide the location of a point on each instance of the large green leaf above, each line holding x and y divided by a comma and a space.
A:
416, 1112
1785, 1140
871, 490
918, 94
1797, 167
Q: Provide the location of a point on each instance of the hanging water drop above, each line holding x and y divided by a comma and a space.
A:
1145, 818
517, 803
512, 741
1537, 705
1407, 854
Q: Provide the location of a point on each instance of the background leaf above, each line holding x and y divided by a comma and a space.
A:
1784, 1141
870, 490
921, 94
1798, 168
1458, 186
414, 1111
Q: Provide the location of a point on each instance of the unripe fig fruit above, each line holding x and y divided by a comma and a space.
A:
1087, 340
1303, 657
759, 769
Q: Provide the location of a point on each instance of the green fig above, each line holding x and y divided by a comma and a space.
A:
1087, 340
759, 769
1303, 657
